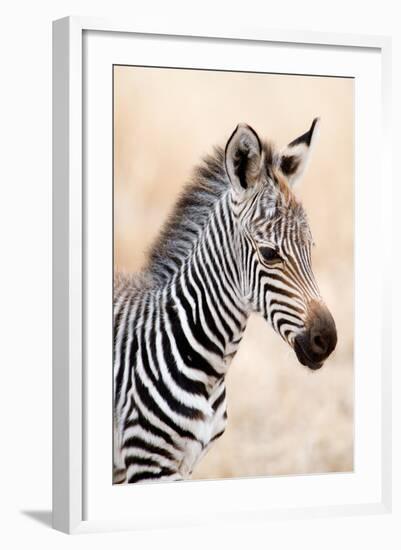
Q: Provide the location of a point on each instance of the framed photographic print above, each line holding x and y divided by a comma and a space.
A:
219, 336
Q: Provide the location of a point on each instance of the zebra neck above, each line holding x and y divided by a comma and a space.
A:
206, 294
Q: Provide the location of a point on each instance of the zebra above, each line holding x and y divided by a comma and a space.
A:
238, 241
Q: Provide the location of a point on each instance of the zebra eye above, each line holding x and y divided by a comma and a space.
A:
269, 255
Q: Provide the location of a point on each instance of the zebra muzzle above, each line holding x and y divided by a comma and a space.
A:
314, 345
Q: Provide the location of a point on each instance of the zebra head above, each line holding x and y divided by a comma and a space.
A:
275, 242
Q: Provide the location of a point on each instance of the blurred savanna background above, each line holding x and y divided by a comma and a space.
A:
282, 417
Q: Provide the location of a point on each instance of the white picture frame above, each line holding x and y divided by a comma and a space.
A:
72, 427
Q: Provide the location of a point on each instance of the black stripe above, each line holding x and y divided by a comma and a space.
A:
148, 401
197, 329
289, 318
140, 461
143, 476
219, 434
158, 432
219, 400
230, 231
282, 322
217, 238
129, 423
137, 442
117, 321
296, 309
123, 349
190, 357
195, 387
198, 284
212, 275
161, 387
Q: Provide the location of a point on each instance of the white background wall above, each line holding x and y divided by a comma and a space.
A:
25, 390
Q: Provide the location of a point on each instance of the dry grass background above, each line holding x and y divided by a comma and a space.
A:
282, 418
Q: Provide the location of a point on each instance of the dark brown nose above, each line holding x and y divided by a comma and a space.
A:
323, 338
319, 339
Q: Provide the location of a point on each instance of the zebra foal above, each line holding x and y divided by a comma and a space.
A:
238, 241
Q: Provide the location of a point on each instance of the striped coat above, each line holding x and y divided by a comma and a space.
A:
237, 241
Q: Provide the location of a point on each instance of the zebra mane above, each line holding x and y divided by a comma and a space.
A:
188, 218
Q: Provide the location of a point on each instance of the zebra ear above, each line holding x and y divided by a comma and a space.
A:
243, 158
294, 158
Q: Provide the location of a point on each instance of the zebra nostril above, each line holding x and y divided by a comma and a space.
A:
319, 345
